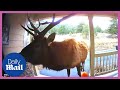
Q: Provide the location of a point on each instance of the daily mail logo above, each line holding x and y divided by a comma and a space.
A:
14, 65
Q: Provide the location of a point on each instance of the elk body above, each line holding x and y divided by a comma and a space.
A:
54, 55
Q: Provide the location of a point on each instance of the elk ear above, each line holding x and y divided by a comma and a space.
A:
51, 37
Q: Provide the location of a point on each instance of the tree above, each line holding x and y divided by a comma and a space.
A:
113, 27
85, 31
97, 30
79, 28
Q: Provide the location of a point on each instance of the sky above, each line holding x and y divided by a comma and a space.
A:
103, 22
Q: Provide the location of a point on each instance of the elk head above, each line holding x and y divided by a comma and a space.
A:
37, 52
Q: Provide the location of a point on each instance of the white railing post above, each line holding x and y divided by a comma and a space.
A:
90, 18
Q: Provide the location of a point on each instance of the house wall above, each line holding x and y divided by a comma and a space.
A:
16, 34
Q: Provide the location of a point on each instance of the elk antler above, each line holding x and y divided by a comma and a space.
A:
42, 33
52, 24
28, 31
35, 29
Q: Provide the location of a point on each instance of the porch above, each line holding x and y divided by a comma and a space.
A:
101, 64
97, 64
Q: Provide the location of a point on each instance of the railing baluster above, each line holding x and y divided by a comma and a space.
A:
115, 61
106, 64
112, 61
97, 65
100, 65
94, 65
109, 59
103, 63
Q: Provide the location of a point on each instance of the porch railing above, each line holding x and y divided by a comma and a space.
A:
105, 62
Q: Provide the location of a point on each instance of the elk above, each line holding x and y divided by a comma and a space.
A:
51, 54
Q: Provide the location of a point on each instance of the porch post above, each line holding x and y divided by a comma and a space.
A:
92, 52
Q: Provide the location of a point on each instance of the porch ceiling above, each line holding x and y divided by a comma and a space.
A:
49, 15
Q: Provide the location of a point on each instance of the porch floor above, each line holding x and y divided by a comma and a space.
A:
112, 74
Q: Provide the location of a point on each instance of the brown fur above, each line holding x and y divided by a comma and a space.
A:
67, 54
83, 51
56, 55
